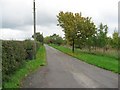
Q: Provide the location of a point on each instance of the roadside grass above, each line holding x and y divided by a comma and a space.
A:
113, 53
27, 68
104, 62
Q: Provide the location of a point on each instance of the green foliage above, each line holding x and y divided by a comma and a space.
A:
14, 54
76, 27
115, 40
68, 22
102, 35
39, 37
98, 38
81, 32
26, 69
29, 48
104, 62
109, 42
54, 39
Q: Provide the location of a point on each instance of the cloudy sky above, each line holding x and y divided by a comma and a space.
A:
16, 15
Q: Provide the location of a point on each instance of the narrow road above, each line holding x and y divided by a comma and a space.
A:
64, 71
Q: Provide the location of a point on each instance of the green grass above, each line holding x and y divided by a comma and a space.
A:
104, 62
27, 68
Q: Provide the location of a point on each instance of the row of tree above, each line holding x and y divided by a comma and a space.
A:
99, 39
82, 32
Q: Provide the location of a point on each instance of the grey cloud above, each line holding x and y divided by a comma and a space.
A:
42, 19
46, 19
10, 22
16, 16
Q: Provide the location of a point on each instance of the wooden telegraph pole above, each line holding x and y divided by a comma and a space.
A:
34, 21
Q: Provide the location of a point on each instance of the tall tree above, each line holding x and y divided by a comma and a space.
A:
76, 27
89, 32
102, 36
67, 22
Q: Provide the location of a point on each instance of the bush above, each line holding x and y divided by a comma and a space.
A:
29, 48
54, 39
14, 54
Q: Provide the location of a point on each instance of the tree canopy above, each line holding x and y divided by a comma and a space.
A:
76, 27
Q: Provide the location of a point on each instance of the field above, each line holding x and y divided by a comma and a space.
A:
105, 62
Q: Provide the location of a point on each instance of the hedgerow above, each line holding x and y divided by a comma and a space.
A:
14, 55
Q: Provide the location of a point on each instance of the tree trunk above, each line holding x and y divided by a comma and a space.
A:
73, 46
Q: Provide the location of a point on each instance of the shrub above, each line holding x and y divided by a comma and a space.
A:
54, 39
14, 54
28, 46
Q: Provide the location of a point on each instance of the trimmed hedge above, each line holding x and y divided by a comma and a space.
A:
14, 54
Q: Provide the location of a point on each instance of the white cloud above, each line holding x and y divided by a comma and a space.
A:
20, 34
50, 30
9, 34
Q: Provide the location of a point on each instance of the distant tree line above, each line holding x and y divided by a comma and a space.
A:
54, 39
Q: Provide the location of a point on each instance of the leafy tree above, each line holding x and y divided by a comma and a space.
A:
54, 39
48, 40
39, 37
115, 39
109, 42
67, 22
76, 28
88, 32
102, 36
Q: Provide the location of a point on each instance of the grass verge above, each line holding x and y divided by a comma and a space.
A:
104, 62
27, 68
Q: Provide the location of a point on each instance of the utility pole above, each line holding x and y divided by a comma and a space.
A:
43, 39
34, 21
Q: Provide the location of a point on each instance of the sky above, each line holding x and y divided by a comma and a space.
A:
16, 16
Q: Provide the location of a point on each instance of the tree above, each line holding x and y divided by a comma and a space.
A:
109, 42
39, 37
54, 39
67, 22
102, 36
115, 39
88, 31
76, 28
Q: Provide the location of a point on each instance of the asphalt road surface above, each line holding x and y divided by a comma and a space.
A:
64, 71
